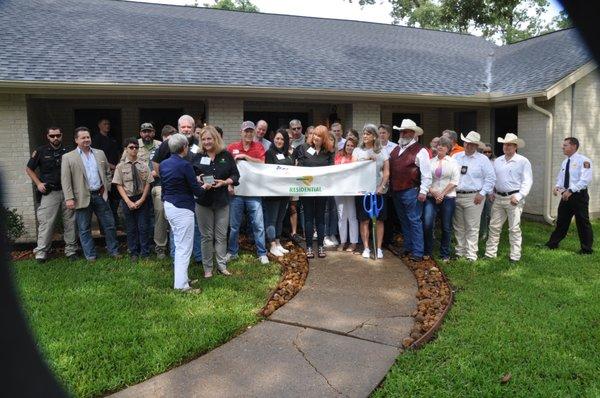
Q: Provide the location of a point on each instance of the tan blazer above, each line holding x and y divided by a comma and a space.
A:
73, 179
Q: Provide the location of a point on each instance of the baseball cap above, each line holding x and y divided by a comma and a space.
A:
248, 125
146, 126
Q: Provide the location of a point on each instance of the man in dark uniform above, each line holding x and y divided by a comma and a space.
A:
572, 183
112, 149
48, 159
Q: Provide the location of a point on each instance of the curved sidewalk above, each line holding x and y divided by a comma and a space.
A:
337, 337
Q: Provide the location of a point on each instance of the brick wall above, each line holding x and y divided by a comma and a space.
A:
363, 113
14, 154
227, 113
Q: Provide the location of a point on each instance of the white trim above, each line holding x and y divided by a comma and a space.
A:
570, 79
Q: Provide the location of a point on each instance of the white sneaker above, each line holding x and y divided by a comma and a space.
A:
366, 253
276, 252
334, 240
379, 253
229, 257
264, 260
282, 249
328, 242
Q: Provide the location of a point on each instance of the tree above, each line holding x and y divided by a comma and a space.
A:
234, 5
505, 21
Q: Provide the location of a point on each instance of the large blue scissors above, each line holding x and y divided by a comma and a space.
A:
373, 204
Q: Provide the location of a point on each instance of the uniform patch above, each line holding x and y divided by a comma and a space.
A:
33, 154
586, 165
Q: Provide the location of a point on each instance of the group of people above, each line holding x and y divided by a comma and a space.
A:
178, 194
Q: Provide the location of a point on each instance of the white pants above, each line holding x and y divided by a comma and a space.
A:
467, 216
502, 210
346, 209
182, 225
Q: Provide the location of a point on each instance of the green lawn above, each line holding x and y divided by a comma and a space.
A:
108, 324
538, 320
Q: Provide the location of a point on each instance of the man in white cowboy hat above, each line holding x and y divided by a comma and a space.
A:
513, 182
410, 179
477, 179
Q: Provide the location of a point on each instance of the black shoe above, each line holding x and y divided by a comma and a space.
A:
416, 259
510, 260
548, 246
297, 239
73, 257
40, 260
405, 253
585, 252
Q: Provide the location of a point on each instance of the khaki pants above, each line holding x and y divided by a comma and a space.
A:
161, 226
502, 210
47, 214
467, 216
213, 225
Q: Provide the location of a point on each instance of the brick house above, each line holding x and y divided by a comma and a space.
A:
68, 62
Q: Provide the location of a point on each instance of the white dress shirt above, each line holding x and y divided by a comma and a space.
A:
580, 175
422, 162
476, 173
450, 174
264, 142
340, 144
389, 147
92, 174
513, 175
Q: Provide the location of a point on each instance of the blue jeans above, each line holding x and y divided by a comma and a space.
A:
274, 212
409, 211
103, 212
446, 211
197, 249
254, 211
137, 225
331, 217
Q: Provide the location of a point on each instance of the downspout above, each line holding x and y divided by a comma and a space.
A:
548, 163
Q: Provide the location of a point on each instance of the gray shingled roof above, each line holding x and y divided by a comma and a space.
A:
99, 41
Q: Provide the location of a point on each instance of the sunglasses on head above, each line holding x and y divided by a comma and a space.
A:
133, 147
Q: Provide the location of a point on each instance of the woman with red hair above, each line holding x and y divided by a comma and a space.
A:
317, 151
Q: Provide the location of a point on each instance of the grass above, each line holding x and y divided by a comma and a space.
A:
538, 320
109, 324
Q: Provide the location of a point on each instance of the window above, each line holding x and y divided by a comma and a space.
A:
505, 120
465, 122
90, 118
159, 117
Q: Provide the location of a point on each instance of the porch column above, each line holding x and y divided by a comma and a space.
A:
227, 113
365, 112
14, 154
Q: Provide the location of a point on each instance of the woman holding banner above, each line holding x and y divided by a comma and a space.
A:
346, 207
370, 149
275, 207
217, 168
317, 151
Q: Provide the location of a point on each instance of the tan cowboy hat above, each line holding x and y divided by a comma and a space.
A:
512, 139
472, 138
408, 124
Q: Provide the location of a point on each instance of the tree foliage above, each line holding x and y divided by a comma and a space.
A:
234, 5
505, 21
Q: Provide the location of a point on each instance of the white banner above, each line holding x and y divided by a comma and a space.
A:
350, 179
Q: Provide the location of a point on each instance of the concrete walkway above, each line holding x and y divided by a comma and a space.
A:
337, 337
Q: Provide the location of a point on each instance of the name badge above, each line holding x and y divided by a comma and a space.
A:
195, 148
208, 179
463, 169
205, 160
280, 156
236, 151
311, 151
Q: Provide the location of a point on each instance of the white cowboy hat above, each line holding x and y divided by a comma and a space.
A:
472, 138
512, 139
408, 124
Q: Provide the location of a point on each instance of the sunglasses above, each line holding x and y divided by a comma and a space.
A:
132, 147
54, 135
487, 151
296, 128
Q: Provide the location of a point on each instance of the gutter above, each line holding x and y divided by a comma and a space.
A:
548, 163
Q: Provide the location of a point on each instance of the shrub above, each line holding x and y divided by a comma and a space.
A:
15, 227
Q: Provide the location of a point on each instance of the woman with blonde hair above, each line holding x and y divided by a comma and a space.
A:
370, 149
317, 151
216, 167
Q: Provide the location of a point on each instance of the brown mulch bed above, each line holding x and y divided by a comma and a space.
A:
434, 295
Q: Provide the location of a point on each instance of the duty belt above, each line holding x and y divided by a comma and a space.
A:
466, 192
